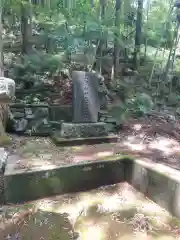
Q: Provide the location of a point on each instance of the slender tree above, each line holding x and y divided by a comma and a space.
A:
116, 38
26, 26
102, 42
138, 34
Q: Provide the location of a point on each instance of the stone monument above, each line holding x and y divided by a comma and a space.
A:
86, 103
86, 107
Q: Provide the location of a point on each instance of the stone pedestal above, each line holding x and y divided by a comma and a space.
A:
86, 108
83, 130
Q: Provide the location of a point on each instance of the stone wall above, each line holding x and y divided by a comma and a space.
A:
59, 92
37, 118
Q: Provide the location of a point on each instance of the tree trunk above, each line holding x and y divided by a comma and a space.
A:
102, 42
116, 38
138, 35
92, 3
26, 27
146, 39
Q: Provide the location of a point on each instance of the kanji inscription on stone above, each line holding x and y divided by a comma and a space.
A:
85, 97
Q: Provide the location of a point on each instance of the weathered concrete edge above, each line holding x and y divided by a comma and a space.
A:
156, 182
60, 180
147, 177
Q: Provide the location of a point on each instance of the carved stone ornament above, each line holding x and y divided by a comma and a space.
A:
7, 89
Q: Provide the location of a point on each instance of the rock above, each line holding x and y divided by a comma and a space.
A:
16, 109
3, 159
172, 99
18, 115
56, 125
29, 117
21, 125
110, 120
29, 113
178, 111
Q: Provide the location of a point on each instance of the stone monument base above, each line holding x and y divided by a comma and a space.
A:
83, 133
83, 130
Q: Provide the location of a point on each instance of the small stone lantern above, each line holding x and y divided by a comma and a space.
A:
7, 94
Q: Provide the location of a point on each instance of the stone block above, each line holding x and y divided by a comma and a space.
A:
83, 130
16, 109
60, 112
18, 115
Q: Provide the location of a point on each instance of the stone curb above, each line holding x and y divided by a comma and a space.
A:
159, 183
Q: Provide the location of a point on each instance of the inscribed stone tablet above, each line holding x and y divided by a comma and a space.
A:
85, 97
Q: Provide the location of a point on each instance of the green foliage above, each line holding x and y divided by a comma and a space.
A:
36, 67
63, 32
154, 29
140, 104
135, 106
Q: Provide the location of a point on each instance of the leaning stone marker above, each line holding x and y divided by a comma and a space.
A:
86, 104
